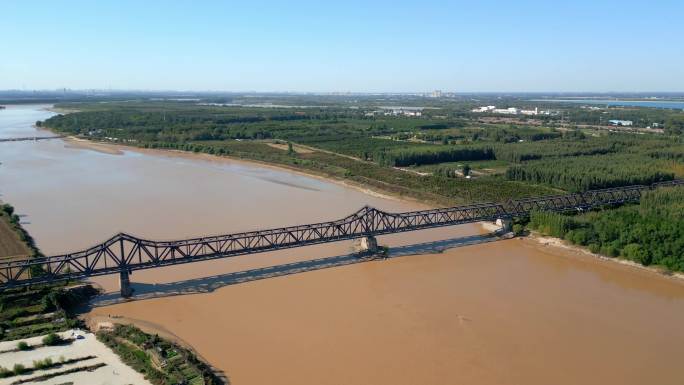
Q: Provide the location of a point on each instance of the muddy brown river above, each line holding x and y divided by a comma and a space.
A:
447, 308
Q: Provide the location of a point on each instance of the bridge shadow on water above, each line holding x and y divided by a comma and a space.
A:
211, 283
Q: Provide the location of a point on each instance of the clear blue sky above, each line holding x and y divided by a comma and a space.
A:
362, 46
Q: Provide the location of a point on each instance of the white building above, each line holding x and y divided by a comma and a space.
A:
405, 111
483, 109
506, 111
617, 122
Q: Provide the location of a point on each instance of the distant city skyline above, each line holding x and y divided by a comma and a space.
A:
351, 46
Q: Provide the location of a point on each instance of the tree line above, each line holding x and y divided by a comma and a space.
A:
650, 233
592, 172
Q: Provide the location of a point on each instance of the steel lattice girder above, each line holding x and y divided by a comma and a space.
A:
126, 252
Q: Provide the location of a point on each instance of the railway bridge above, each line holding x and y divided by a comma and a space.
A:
31, 138
124, 253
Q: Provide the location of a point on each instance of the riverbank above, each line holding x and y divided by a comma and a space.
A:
561, 244
118, 149
11, 245
569, 249
58, 110
97, 322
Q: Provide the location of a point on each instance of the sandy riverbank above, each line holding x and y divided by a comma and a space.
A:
77, 143
579, 250
64, 111
114, 372
118, 149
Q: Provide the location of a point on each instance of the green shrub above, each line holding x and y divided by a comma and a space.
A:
42, 364
518, 229
579, 236
52, 339
4, 372
594, 248
610, 250
22, 345
636, 253
19, 369
550, 223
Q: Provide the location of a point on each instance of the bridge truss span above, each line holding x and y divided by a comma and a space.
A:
124, 253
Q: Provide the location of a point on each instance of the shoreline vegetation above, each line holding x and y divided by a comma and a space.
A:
15, 241
560, 244
162, 362
118, 149
650, 233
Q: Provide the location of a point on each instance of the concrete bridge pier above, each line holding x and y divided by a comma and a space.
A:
505, 224
125, 283
369, 244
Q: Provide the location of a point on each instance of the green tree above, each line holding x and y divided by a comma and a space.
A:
466, 169
675, 125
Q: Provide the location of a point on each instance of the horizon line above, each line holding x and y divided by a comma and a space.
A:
329, 93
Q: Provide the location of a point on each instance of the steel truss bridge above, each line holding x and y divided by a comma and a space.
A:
124, 253
33, 138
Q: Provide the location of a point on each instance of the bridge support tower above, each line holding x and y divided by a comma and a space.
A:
125, 284
369, 245
506, 224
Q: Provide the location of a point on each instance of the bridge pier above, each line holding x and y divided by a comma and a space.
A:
369, 244
506, 224
125, 284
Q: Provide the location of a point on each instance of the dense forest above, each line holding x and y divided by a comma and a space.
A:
650, 233
592, 172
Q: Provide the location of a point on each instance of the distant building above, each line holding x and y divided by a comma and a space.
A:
484, 109
436, 94
616, 122
506, 111
513, 111
405, 111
